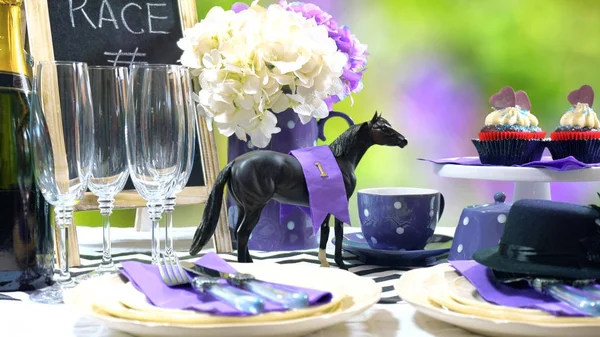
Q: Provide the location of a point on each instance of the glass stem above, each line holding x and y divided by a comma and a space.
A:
64, 219
105, 204
155, 209
169, 207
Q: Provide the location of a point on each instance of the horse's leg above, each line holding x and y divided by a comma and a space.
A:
245, 229
241, 213
339, 236
240, 218
323, 244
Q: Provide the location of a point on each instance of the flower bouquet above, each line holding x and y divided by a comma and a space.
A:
251, 63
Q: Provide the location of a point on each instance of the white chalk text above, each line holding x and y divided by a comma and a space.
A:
136, 18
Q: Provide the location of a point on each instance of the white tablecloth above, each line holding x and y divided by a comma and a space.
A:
29, 319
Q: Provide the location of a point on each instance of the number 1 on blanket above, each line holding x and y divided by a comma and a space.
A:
323, 174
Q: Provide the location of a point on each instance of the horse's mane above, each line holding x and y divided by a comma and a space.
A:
345, 141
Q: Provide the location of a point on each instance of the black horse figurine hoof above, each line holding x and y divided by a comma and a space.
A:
257, 177
340, 263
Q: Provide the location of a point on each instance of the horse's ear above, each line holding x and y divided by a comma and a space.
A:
375, 117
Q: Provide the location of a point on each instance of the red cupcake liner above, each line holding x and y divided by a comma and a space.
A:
502, 135
575, 135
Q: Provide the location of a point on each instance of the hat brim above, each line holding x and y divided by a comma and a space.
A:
491, 258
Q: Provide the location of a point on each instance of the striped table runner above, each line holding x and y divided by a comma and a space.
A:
386, 277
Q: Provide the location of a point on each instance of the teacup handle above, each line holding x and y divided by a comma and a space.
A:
322, 121
442, 206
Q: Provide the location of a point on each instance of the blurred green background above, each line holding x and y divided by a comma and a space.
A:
432, 68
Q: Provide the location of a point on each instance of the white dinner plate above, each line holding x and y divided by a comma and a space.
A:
360, 294
416, 286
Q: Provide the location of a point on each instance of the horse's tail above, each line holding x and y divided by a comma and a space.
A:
210, 218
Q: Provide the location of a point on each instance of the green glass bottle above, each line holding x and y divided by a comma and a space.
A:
26, 241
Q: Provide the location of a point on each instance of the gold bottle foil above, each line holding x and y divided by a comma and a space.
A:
11, 2
12, 55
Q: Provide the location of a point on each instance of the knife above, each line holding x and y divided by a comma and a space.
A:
288, 299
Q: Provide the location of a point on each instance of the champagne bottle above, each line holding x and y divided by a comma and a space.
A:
26, 242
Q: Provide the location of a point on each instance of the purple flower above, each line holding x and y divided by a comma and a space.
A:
346, 42
239, 6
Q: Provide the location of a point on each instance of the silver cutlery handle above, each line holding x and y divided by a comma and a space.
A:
573, 298
8, 298
233, 296
288, 299
593, 289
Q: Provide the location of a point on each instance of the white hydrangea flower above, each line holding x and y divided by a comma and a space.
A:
205, 36
259, 62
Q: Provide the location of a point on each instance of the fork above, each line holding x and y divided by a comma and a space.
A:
172, 274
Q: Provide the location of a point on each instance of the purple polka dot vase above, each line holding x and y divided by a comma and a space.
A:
295, 232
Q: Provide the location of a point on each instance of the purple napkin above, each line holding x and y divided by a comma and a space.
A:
565, 164
483, 280
146, 278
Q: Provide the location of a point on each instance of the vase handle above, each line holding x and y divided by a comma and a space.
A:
322, 121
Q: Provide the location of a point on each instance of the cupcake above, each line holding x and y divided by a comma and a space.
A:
578, 134
511, 135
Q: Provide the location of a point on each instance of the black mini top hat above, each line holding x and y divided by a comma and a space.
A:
544, 238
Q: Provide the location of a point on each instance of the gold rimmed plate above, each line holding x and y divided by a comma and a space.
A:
119, 306
428, 290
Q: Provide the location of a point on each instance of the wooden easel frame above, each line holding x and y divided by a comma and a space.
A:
41, 49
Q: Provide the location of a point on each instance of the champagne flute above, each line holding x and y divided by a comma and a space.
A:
109, 170
154, 133
183, 84
62, 138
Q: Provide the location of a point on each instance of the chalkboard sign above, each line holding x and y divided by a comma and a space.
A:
124, 32
115, 32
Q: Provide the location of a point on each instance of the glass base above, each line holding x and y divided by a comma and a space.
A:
100, 271
52, 294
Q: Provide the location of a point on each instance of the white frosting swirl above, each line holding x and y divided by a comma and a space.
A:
582, 115
511, 116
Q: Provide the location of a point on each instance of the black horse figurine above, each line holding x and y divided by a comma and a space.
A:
256, 177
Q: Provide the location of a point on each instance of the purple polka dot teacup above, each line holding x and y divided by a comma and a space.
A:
399, 218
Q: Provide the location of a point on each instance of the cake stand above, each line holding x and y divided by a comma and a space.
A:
530, 182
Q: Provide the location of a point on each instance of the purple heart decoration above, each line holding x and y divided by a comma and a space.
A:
503, 99
522, 100
585, 94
